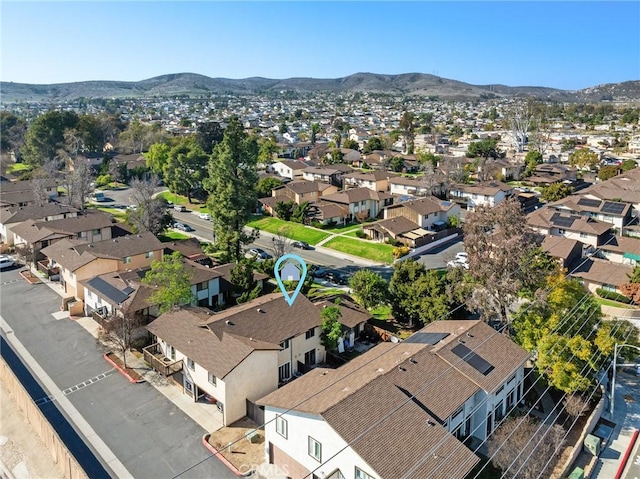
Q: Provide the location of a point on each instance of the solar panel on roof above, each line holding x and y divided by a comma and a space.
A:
107, 290
614, 208
589, 202
562, 221
128, 290
472, 359
426, 338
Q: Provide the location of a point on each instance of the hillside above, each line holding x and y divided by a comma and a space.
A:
407, 83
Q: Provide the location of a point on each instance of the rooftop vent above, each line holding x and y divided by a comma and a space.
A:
413, 361
401, 368
228, 323
260, 310
470, 335
460, 340
431, 423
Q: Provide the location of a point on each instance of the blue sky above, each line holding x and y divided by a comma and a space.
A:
568, 45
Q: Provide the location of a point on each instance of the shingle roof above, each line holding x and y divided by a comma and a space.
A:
490, 188
302, 186
268, 318
351, 313
33, 231
426, 206
186, 330
16, 214
354, 195
548, 218
397, 225
372, 175
600, 271
294, 164
558, 247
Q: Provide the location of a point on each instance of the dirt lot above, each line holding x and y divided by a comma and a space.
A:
244, 454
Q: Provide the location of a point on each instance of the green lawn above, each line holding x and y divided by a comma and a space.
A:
340, 229
171, 236
374, 251
294, 231
18, 168
609, 302
382, 312
317, 291
117, 213
353, 234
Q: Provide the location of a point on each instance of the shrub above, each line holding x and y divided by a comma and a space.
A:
612, 295
317, 224
394, 242
362, 234
103, 180
400, 251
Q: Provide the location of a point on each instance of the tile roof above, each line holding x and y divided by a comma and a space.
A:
185, 329
268, 318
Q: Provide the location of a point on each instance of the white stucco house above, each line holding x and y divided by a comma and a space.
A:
489, 194
398, 410
290, 169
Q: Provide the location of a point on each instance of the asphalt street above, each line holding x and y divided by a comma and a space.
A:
149, 435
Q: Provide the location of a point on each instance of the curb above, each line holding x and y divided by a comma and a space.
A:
122, 371
224, 460
627, 453
37, 281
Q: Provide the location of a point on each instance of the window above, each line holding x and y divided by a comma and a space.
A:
95, 232
609, 287
282, 426
172, 352
310, 334
310, 357
212, 379
202, 286
457, 413
360, 474
285, 344
190, 364
315, 449
584, 235
148, 254
561, 231
127, 259
284, 372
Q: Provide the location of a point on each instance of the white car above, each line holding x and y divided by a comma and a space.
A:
6, 261
461, 259
204, 216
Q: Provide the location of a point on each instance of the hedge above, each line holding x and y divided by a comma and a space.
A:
612, 295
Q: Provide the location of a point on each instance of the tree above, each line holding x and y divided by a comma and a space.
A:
90, 132
79, 186
331, 327
151, 213
315, 129
266, 186
281, 245
522, 447
336, 157
608, 171
300, 212
245, 287
396, 164
584, 158
284, 209
157, 157
555, 192
406, 125
520, 118
13, 129
172, 281
268, 149
208, 135
417, 295
631, 289
487, 148
350, 144
185, 168
369, 288
531, 161
427, 158
45, 136
497, 240
628, 165
232, 186
118, 328
374, 143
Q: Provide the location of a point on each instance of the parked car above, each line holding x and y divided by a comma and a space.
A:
183, 227
461, 260
336, 277
258, 253
6, 262
316, 271
180, 208
301, 245
204, 216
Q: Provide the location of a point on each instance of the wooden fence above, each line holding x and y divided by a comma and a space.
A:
52, 442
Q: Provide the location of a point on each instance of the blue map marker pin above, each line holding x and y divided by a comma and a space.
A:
290, 272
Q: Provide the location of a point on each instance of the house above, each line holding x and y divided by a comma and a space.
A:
326, 213
621, 249
352, 318
450, 381
565, 250
191, 249
14, 215
287, 168
360, 202
490, 193
301, 191
421, 186
374, 180
586, 230
226, 286
33, 235
549, 173
400, 229
331, 174
242, 353
22, 193
596, 273
79, 260
624, 188
429, 213
617, 213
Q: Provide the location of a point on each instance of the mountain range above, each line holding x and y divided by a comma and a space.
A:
406, 84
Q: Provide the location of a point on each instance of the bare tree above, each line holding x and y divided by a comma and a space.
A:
150, 214
520, 119
40, 195
119, 329
80, 186
114, 171
520, 447
281, 244
575, 406
497, 240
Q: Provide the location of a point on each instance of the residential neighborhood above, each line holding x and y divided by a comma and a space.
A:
471, 282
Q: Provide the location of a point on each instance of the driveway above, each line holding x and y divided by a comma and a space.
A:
147, 433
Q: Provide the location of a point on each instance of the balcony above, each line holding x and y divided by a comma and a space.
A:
156, 359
